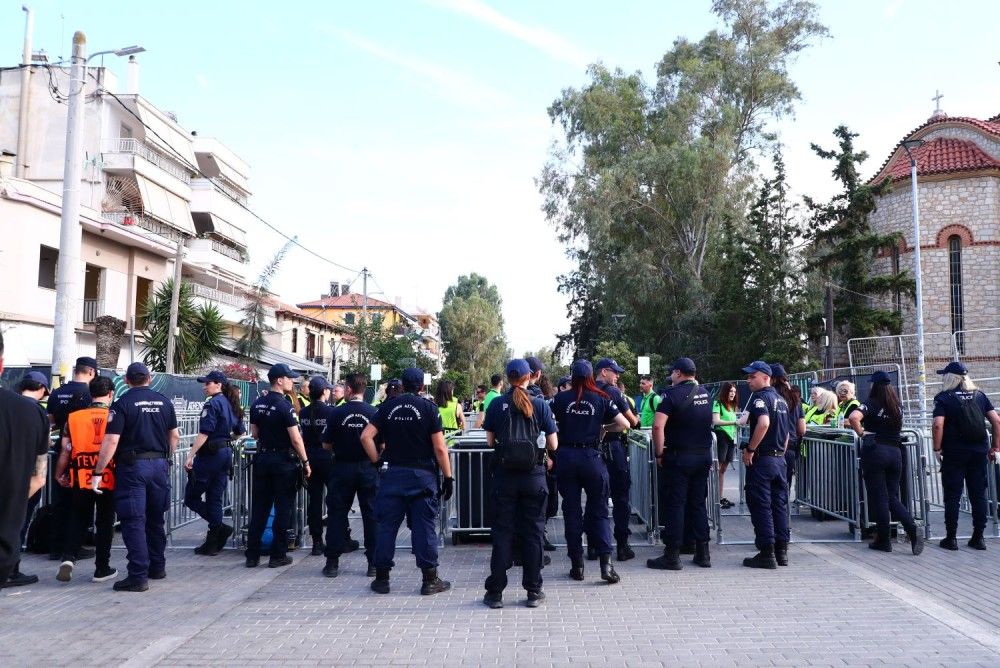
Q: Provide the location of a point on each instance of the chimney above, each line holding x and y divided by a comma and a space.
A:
334, 289
132, 85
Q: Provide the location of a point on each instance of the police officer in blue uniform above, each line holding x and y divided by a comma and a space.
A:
520, 490
552, 505
351, 474
961, 444
682, 441
280, 452
583, 413
616, 453
314, 418
142, 436
878, 423
767, 472
415, 453
211, 459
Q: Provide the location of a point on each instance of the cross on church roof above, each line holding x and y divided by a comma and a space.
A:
937, 101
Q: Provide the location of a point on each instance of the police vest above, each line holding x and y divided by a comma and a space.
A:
86, 433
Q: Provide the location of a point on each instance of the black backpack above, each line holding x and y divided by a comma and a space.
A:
518, 453
971, 423
39, 537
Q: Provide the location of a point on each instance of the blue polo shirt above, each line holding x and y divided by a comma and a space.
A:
949, 405
273, 414
344, 427
218, 421
768, 402
496, 416
580, 420
142, 418
406, 423
65, 399
315, 418
690, 429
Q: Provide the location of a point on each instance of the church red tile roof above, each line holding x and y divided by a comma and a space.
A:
942, 156
351, 301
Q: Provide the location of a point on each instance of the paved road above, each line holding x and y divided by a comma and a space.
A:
835, 605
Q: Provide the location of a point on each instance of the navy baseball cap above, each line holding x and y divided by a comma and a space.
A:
319, 383
534, 364
778, 371
880, 378
581, 369
413, 376
136, 370
608, 363
87, 361
394, 384
685, 365
38, 377
956, 368
281, 371
564, 380
762, 367
213, 377
518, 368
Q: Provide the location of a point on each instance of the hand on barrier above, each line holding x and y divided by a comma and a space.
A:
937, 453
95, 483
189, 462
744, 417
447, 488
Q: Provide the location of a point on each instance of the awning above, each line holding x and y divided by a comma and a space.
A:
171, 138
165, 205
228, 230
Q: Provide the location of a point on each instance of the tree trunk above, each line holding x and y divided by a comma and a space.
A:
110, 333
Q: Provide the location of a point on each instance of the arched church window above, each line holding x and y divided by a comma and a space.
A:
955, 285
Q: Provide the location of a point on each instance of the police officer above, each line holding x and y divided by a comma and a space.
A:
779, 381
280, 452
616, 452
415, 451
878, 423
314, 419
682, 442
210, 460
519, 486
142, 436
961, 444
351, 475
583, 413
766, 477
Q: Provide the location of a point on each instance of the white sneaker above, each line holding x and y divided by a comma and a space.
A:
65, 571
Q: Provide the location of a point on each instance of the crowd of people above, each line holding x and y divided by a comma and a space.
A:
564, 440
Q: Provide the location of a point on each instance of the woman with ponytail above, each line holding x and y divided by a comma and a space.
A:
514, 423
584, 414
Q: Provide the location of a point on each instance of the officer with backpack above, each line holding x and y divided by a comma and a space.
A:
513, 424
961, 445
766, 477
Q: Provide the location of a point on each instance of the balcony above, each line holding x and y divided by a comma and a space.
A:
131, 146
91, 310
127, 219
218, 296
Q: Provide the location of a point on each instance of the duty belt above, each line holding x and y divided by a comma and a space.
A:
131, 456
579, 445
423, 464
212, 447
771, 453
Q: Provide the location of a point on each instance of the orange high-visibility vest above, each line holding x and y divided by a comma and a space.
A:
86, 433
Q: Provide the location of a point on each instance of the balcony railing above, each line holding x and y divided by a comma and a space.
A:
228, 251
236, 301
136, 147
91, 310
127, 219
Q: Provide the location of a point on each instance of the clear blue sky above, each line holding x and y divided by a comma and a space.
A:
406, 136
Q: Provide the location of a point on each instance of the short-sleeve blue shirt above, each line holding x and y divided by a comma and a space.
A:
142, 418
344, 427
315, 418
406, 423
218, 421
768, 402
690, 429
273, 414
496, 416
948, 405
580, 420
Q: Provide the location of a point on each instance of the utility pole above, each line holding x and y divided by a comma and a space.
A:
175, 299
68, 279
919, 296
829, 326
22, 115
362, 345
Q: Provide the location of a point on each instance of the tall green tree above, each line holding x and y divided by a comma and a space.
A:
647, 173
200, 330
394, 351
255, 312
844, 246
472, 329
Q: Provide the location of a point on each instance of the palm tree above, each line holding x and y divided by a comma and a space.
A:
250, 345
200, 330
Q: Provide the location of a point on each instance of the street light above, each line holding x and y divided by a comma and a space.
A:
908, 145
70, 234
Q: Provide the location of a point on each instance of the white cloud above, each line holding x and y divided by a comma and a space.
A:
451, 84
555, 45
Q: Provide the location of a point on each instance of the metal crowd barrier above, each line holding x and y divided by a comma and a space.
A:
470, 465
241, 486
642, 464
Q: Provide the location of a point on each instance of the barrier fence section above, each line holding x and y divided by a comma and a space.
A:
642, 470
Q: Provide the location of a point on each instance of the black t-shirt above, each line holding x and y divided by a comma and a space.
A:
876, 419
690, 429
24, 436
580, 421
949, 405
406, 424
273, 414
496, 416
65, 399
315, 419
621, 403
769, 402
142, 418
344, 427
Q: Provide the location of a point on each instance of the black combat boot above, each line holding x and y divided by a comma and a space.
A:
687, 547
881, 544
207, 544
781, 552
949, 542
318, 547
608, 573
432, 583
977, 542
219, 539
669, 561
625, 551
763, 559
493, 600
702, 557
916, 540
380, 585
332, 568
576, 570
591, 553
